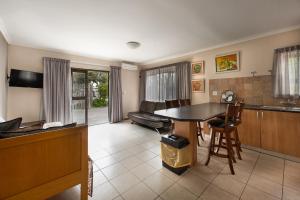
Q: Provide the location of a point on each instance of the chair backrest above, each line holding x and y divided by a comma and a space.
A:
239, 112
185, 102
232, 114
172, 103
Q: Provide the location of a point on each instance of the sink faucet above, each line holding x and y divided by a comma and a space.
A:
289, 102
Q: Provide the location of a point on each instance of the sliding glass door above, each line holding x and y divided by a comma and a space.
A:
97, 97
90, 96
79, 96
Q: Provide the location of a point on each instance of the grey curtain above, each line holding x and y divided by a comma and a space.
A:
286, 72
57, 96
152, 85
115, 109
142, 86
183, 76
168, 82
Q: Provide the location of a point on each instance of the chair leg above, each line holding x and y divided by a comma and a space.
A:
211, 147
229, 152
199, 131
237, 144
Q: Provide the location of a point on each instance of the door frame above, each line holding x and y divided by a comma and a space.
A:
85, 71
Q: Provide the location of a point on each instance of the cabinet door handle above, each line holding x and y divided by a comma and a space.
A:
262, 114
256, 114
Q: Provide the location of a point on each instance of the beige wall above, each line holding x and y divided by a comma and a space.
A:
3, 73
27, 102
130, 87
255, 55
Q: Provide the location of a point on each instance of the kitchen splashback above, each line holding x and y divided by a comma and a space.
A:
254, 90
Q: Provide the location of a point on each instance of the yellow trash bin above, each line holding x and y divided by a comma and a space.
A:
175, 153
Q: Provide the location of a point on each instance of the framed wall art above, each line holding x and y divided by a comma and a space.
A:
198, 85
229, 62
198, 68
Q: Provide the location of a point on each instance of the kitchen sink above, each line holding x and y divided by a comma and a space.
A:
275, 107
282, 108
295, 108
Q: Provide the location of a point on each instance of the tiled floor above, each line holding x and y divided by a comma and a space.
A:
128, 166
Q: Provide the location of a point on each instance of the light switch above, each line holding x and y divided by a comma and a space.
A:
215, 93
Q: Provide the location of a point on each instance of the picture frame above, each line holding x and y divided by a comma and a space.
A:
198, 68
228, 62
198, 85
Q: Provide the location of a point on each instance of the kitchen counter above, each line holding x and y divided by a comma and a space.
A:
273, 108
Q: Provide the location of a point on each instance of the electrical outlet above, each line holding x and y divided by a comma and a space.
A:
215, 93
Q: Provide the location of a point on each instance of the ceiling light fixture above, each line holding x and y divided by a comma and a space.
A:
133, 44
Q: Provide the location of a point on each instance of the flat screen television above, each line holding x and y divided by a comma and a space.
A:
20, 78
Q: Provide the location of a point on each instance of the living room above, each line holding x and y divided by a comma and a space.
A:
95, 104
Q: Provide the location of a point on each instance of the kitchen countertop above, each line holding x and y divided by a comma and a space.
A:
273, 108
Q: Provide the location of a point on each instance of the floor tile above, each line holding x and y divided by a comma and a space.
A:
105, 162
155, 162
139, 192
99, 178
251, 193
204, 172
177, 192
143, 171
266, 185
124, 182
193, 183
290, 194
169, 174
229, 184
114, 170
158, 182
131, 162
240, 174
292, 181
105, 192
215, 193
146, 155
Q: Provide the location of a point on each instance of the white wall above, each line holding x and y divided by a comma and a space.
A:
255, 55
3, 73
130, 88
27, 102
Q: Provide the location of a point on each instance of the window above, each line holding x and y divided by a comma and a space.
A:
286, 72
161, 84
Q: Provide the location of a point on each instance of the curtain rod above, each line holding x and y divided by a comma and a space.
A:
168, 65
288, 48
87, 63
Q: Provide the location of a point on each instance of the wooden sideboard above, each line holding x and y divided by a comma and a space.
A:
271, 130
40, 165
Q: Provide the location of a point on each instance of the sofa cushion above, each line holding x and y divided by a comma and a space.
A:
160, 106
147, 107
11, 124
147, 116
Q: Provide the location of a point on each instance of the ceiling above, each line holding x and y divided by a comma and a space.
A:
101, 28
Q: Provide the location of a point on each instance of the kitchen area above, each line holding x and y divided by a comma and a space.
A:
269, 124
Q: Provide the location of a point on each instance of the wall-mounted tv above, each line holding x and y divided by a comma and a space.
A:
20, 78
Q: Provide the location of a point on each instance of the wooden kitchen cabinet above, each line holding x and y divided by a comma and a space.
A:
280, 132
249, 130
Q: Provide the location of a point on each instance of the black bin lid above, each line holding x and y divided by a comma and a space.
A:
175, 141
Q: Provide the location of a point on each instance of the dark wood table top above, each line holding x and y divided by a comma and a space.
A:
199, 112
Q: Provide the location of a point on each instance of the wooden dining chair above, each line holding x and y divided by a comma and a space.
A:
224, 128
172, 104
237, 121
187, 102
184, 102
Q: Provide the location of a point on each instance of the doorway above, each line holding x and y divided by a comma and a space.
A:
90, 96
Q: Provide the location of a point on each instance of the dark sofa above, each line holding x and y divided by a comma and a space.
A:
146, 116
